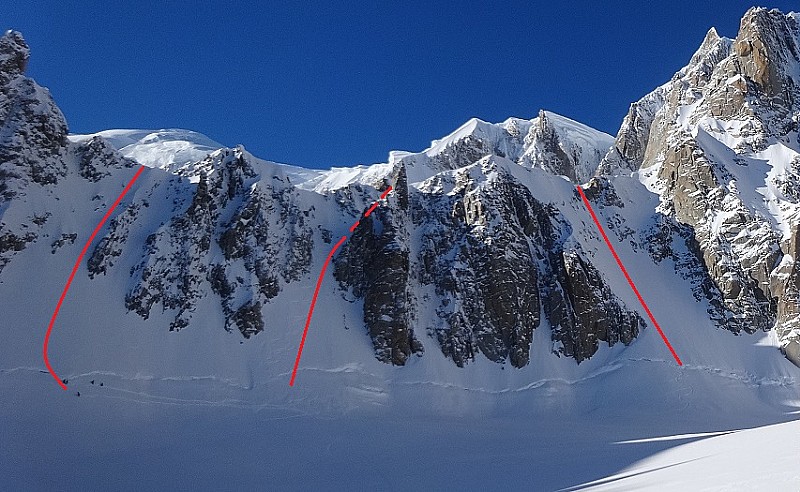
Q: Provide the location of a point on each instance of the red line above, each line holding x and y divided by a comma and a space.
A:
75, 270
319, 284
628, 277
311, 308
371, 209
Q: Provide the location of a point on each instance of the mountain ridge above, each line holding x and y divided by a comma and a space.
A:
484, 252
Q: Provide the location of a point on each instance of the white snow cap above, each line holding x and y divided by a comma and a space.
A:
168, 149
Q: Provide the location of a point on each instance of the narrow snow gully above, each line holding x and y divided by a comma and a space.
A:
322, 276
75, 270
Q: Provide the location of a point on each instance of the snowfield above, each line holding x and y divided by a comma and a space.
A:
170, 149
605, 433
764, 458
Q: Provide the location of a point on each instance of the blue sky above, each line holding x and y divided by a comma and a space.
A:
322, 84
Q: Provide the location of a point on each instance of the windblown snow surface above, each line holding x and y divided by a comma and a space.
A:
170, 149
201, 409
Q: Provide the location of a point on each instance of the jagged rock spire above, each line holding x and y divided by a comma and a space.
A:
14, 54
766, 43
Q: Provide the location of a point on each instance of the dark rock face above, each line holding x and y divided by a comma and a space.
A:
63, 240
485, 279
236, 238
466, 261
14, 55
97, 158
112, 245
501, 247
595, 314
374, 263
11, 243
174, 281
34, 131
33, 146
491, 263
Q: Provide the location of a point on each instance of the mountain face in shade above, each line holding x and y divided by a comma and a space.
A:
483, 251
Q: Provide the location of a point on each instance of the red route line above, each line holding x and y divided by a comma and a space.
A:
75, 270
319, 284
628, 277
371, 209
311, 309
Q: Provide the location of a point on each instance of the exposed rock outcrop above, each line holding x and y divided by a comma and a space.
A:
492, 263
481, 242
703, 130
238, 238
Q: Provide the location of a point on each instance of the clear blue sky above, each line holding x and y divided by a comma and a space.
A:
321, 84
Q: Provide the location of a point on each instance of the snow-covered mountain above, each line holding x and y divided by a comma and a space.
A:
479, 284
483, 242
168, 149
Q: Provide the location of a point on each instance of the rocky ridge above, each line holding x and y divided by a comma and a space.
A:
702, 141
483, 240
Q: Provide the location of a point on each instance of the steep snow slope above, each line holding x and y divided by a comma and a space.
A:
566, 147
